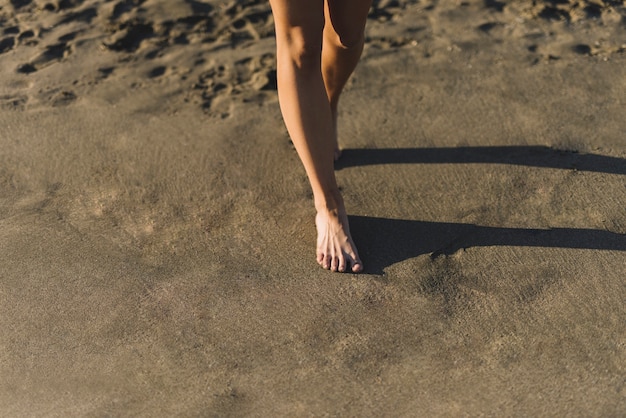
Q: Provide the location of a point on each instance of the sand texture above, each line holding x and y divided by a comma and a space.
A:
156, 226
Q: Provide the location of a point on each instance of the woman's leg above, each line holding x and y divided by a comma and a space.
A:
308, 117
342, 48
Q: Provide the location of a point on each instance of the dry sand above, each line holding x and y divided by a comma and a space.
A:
156, 226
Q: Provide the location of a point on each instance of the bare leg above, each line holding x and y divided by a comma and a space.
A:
308, 117
342, 48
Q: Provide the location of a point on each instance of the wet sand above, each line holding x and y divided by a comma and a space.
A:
156, 226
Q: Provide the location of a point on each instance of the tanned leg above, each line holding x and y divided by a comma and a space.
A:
342, 48
308, 117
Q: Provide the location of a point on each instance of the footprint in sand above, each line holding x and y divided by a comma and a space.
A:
582, 49
386, 10
11, 30
129, 36
62, 98
13, 102
27, 38
571, 11
249, 80
157, 71
249, 20
18, 4
385, 43
85, 16
6, 44
495, 5
50, 55
489, 27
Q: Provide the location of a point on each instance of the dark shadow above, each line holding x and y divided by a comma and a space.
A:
533, 156
199, 7
384, 242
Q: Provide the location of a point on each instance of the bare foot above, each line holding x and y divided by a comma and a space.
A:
335, 249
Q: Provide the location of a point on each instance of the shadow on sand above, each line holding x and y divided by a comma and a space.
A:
533, 156
384, 242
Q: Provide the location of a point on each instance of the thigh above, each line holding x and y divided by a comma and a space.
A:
305, 17
347, 18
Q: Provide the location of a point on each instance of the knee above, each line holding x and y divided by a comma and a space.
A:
345, 39
303, 48
351, 40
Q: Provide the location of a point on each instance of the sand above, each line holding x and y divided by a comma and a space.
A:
157, 235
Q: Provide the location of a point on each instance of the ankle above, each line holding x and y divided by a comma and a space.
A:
330, 201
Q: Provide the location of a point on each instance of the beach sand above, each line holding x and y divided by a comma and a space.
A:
156, 226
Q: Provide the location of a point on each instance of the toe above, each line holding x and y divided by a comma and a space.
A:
355, 261
320, 258
327, 261
342, 264
357, 264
